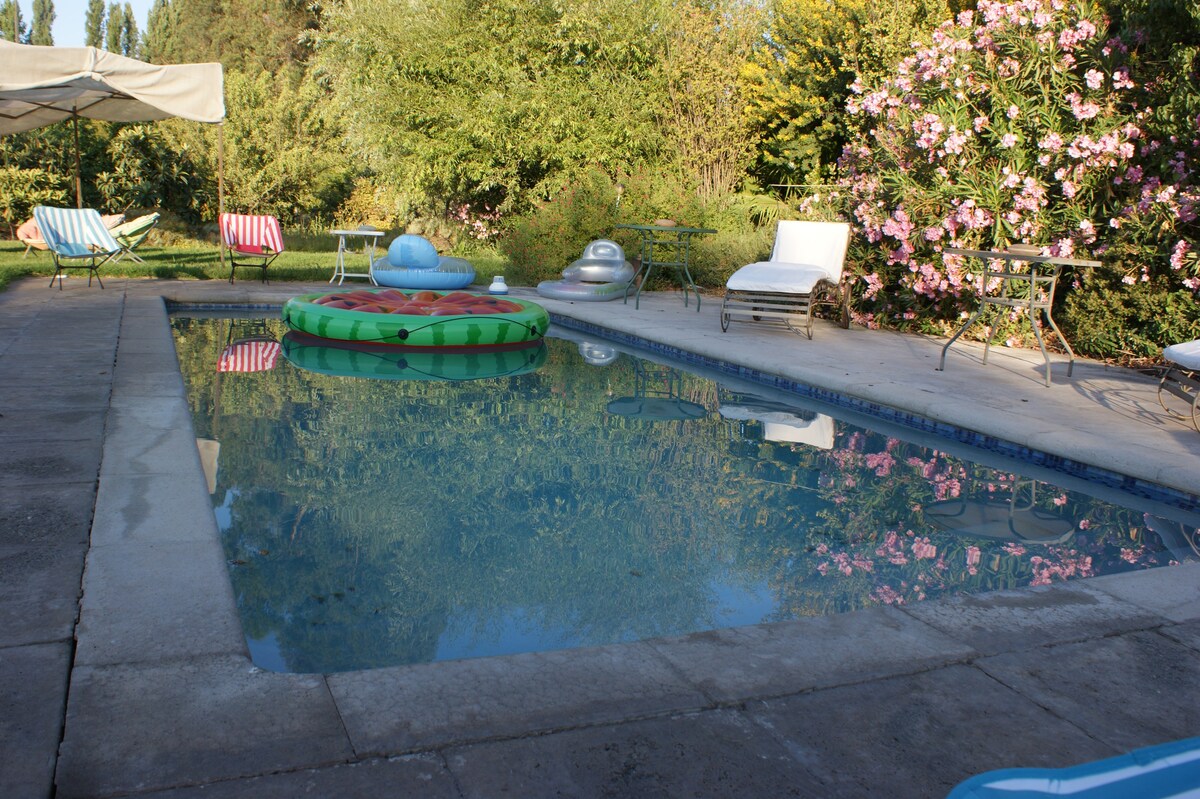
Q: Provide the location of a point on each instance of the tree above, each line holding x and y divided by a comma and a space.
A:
704, 120
129, 33
12, 24
43, 20
496, 103
160, 25
798, 83
114, 28
94, 24
241, 34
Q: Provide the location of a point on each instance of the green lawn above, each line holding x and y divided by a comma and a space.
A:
307, 258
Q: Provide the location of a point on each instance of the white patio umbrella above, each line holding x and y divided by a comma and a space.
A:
43, 85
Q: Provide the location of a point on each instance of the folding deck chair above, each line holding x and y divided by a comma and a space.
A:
252, 240
75, 234
131, 234
805, 270
29, 235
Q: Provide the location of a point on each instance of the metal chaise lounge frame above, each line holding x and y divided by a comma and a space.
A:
75, 234
1181, 378
805, 271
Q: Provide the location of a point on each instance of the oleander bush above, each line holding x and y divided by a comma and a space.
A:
1033, 122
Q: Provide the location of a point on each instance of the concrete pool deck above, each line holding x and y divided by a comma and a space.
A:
124, 671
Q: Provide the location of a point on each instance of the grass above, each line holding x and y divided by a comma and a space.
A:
307, 258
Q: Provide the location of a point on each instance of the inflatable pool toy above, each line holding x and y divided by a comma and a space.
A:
601, 274
412, 262
1166, 770
417, 319
382, 362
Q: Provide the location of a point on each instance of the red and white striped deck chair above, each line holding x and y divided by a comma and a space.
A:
252, 240
249, 355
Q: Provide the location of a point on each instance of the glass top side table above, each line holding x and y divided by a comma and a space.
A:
665, 247
1029, 289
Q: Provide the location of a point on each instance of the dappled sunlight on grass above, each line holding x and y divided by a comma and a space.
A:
200, 261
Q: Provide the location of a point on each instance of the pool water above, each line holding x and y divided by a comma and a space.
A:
379, 510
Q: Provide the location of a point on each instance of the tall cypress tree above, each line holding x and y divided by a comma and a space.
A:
156, 41
43, 20
116, 24
94, 24
12, 24
129, 33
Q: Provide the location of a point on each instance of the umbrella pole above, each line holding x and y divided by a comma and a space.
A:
78, 179
220, 188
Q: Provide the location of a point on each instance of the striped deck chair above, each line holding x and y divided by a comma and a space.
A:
29, 235
131, 234
75, 234
252, 240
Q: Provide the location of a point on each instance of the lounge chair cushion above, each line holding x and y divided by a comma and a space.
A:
778, 277
1187, 354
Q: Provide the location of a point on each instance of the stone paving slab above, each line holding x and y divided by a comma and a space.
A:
391, 711
31, 424
1173, 593
716, 753
140, 727
1186, 634
920, 735
423, 776
127, 513
44, 463
33, 690
153, 435
1128, 691
134, 591
739, 663
1004, 621
43, 544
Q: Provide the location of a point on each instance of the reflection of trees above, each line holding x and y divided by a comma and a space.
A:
374, 518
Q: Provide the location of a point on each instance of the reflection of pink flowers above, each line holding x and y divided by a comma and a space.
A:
922, 549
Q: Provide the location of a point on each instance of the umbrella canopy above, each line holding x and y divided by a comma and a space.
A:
43, 85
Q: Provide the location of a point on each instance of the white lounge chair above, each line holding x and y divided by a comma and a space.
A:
1182, 379
805, 270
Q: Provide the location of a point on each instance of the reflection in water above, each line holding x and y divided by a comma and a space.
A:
373, 522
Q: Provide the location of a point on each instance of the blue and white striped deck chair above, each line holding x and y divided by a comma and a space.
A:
75, 235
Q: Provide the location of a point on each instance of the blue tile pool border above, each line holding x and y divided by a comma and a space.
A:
1055, 463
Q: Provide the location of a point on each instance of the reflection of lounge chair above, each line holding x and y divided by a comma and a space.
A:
805, 270
783, 423
1182, 379
29, 235
251, 241
1015, 518
131, 234
75, 235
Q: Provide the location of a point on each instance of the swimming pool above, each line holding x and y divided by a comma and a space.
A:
582, 496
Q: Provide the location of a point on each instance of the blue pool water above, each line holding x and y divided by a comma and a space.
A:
379, 509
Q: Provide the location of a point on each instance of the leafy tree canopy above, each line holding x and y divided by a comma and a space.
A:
496, 103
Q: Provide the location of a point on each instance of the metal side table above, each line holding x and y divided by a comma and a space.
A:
669, 247
1029, 289
369, 236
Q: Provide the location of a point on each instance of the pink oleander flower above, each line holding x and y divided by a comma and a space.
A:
1094, 78
1008, 141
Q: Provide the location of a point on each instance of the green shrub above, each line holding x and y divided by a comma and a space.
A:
541, 244
22, 189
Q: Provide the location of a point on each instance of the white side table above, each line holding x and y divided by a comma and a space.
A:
369, 237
